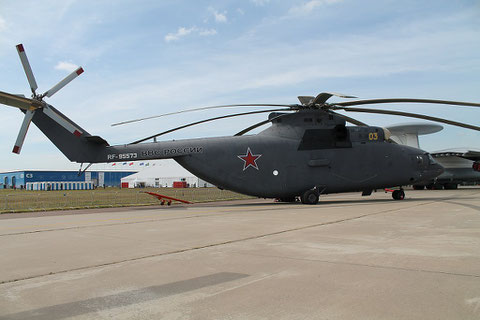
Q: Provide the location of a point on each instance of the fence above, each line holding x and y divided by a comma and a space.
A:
23, 200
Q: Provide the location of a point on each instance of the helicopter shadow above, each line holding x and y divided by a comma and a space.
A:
459, 194
125, 298
298, 204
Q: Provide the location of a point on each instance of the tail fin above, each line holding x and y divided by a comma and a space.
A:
77, 145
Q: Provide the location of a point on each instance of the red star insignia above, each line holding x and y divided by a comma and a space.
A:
249, 159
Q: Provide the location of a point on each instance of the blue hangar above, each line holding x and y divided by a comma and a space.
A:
19, 179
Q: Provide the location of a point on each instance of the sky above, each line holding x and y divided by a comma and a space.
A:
146, 57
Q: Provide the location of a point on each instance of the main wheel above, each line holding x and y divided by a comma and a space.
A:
310, 197
398, 195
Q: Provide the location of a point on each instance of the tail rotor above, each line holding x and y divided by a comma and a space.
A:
36, 102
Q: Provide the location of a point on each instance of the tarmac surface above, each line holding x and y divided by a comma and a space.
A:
349, 257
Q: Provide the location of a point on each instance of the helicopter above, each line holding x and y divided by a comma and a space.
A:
307, 150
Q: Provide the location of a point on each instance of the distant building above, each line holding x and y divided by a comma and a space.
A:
19, 179
151, 178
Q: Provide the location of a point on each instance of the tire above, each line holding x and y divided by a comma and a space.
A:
310, 197
398, 195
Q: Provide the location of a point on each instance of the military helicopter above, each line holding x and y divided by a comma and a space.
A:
306, 151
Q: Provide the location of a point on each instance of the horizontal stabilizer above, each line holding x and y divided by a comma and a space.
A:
97, 140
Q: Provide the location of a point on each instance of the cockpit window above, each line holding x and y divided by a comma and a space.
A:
431, 160
420, 160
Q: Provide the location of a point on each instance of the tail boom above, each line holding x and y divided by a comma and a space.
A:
79, 146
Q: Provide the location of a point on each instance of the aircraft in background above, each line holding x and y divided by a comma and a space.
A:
462, 166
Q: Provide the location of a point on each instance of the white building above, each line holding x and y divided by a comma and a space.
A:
153, 178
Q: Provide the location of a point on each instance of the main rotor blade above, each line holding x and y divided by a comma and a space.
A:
256, 125
18, 101
206, 120
241, 133
397, 100
23, 131
198, 109
411, 115
324, 96
353, 121
63, 83
26, 67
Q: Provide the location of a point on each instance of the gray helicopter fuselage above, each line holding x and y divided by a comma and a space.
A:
300, 151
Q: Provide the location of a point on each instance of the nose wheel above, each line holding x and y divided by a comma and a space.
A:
398, 194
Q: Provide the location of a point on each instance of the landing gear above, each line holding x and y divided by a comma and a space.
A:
398, 194
310, 197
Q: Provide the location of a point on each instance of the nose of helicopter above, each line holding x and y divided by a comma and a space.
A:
434, 169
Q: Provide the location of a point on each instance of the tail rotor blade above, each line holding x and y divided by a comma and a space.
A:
64, 82
26, 67
62, 121
23, 131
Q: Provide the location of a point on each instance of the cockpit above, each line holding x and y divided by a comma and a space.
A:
431, 160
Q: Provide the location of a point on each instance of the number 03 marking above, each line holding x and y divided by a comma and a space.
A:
373, 136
